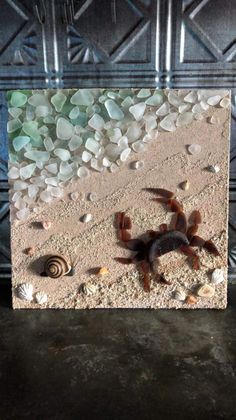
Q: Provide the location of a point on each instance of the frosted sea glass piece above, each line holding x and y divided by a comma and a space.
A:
138, 110
48, 143
92, 145
114, 110
27, 171
18, 99
58, 101
82, 97
74, 113
75, 142
13, 125
19, 142
15, 112
63, 154
31, 128
144, 93
37, 155
64, 129
154, 100
96, 122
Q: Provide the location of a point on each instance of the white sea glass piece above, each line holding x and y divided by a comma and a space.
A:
63, 154
75, 142
92, 145
64, 129
138, 110
19, 142
96, 122
82, 97
114, 110
27, 171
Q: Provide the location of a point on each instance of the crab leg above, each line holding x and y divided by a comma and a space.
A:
195, 219
201, 243
124, 224
187, 250
160, 191
145, 271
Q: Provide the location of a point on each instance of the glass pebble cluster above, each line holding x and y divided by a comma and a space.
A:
56, 137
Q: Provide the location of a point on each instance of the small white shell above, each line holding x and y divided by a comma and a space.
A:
25, 291
217, 276
86, 218
194, 149
206, 291
180, 295
46, 224
41, 298
88, 289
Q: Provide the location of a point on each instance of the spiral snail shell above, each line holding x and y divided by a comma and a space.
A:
56, 266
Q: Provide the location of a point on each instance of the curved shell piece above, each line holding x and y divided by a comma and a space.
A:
41, 298
217, 276
57, 266
25, 291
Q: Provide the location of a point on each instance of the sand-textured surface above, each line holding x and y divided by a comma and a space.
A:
167, 163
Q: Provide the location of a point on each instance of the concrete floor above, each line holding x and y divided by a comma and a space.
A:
85, 365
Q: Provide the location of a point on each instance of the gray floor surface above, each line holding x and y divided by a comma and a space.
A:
117, 364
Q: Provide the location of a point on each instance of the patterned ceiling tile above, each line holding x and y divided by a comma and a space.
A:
202, 43
122, 46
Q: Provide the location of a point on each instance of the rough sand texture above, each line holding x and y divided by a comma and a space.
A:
167, 164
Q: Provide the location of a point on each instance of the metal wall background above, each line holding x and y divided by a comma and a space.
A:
81, 43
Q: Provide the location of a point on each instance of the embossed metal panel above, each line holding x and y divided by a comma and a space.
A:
201, 46
113, 42
23, 59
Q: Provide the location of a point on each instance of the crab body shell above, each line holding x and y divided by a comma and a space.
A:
165, 243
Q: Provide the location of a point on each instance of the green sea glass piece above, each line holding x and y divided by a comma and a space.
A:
58, 101
82, 97
18, 99
19, 142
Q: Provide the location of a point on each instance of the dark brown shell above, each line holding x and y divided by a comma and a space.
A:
56, 266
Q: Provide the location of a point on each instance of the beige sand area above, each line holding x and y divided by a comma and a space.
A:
95, 244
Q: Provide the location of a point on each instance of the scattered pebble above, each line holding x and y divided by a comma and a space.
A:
214, 119
25, 291
191, 299
179, 294
86, 218
46, 224
206, 291
185, 185
88, 289
41, 298
194, 149
225, 103
214, 168
103, 271
30, 251
137, 164
92, 197
217, 276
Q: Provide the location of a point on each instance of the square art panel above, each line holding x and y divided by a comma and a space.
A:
119, 198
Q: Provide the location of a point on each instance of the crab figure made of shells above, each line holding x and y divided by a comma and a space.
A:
182, 237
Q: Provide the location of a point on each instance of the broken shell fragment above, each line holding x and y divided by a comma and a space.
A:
41, 298
185, 185
103, 271
46, 224
88, 289
86, 218
30, 251
214, 168
138, 164
217, 276
180, 295
206, 291
191, 300
25, 291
